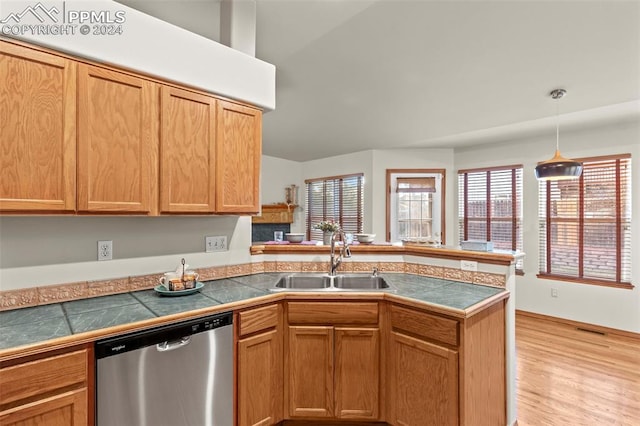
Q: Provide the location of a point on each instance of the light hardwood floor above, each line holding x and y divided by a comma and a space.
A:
571, 377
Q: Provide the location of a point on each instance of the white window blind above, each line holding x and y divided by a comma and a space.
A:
337, 198
490, 206
585, 224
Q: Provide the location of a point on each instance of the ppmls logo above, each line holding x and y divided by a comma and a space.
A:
58, 19
39, 11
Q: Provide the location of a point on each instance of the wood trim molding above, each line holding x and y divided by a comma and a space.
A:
275, 213
503, 259
352, 175
580, 325
590, 281
491, 169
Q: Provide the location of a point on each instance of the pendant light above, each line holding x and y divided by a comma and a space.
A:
558, 168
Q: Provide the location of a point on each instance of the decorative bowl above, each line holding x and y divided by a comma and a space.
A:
293, 237
365, 238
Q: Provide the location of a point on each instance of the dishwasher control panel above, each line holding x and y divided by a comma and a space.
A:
132, 341
214, 323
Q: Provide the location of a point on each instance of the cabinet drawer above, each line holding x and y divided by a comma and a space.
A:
332, 312
258, 319
426, 325
43, 375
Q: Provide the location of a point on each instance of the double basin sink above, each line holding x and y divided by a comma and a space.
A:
325, 282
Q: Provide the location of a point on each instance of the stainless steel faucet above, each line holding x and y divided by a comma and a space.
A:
345, 252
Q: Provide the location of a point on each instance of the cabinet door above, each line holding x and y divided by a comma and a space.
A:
357, 373
37, 130
117, 142
310, 372
66, 409
424, 383
260, 379
238, 156
187, 152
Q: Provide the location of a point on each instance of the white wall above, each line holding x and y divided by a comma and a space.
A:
609, 307
156, 48
276, 175
44, 250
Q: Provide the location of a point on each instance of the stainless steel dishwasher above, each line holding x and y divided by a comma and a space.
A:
177, 375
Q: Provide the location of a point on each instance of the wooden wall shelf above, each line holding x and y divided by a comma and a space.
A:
275, 213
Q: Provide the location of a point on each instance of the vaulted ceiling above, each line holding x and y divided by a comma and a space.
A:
369, 74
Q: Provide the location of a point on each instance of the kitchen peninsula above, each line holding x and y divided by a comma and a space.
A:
453, 322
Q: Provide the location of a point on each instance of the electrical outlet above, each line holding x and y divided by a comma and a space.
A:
468, 265
218, 243
554, 292
105, 250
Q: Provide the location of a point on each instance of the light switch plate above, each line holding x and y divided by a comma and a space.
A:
218, 243
468, 265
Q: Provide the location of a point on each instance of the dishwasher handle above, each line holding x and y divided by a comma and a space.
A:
167, 346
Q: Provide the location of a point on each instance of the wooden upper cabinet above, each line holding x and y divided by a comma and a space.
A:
238, 156
78, 137
117, 142
37, 130
187, 152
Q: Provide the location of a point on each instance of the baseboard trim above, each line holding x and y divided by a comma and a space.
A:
581, 325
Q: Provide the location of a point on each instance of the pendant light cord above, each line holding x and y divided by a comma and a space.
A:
558, 124
557, 94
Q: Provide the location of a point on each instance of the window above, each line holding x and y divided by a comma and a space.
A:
338, 198
490, 207
585, 224
414, 204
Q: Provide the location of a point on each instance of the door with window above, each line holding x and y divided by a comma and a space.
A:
415, 203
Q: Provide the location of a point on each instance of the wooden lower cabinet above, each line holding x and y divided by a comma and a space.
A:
333, 370
310, 372
66, 409
446, 371
357, 373
260, 363
52, 389
424, 383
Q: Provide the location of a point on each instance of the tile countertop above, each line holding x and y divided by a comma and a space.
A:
38, 324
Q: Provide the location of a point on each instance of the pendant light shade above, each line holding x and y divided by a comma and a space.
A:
558, 167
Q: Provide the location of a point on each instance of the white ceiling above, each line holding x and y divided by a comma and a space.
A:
372, 74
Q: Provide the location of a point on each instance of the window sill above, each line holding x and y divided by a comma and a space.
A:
627, 286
